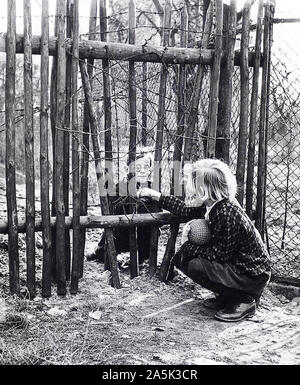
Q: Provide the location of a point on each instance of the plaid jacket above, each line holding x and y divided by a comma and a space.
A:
234, 238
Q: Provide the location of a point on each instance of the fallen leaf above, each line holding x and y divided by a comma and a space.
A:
95, 315
56, 312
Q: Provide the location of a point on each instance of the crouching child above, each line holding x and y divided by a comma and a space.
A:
235, 264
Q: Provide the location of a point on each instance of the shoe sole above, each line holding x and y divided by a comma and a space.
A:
247, 315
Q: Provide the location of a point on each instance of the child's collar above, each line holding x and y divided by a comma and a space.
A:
217, 204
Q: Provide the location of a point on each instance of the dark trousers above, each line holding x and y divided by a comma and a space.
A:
223, 278
121, 237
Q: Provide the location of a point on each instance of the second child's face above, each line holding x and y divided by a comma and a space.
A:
142, 170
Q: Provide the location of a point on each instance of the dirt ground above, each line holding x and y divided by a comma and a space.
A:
134, 325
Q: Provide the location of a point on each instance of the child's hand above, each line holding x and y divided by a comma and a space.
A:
185, 233
146, 192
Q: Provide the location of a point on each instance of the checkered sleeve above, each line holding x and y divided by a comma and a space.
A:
179, 208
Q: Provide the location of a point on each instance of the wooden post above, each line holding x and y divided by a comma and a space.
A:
144, 105
75, 153
107, 108
111, 251
261, 172
244, 103
53, 102
225, 90
44, 161
59, 151
84, 168
253, 113
177, 154
106, 95
159, 134
196, 93
29, 151
134, 265
214, 82
10, 172
271, 19
66, 166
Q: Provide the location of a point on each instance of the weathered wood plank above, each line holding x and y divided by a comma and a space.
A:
75, 273
66, 165
244, 105
214, 82
84, 167
120, 51
44, 160
29, 151
134, 265
105, 221
261, 171
253, 114
225, 90
59, 151
10, 167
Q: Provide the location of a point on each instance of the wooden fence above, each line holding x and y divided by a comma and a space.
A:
61, 262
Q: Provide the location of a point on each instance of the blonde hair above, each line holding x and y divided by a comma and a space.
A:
212, 180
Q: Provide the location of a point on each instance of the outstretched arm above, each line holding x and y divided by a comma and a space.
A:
173, 204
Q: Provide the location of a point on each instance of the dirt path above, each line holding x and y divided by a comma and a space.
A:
106, 326
102, 325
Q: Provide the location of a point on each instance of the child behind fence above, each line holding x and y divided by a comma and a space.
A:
122, 205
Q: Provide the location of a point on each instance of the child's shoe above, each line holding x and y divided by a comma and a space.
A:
216, 303
236, 311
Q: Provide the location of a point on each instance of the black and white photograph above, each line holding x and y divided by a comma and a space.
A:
149, 186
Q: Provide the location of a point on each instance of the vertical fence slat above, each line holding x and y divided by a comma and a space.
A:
253, 113
67, 124
159, 134
75, 153
165, 268
111, 251
84, 168
59, 149
214, 82
10, 171
261, 171
244, 103
44, 161
134, 265
225, 90
29, 149
144, 104
53, 102
271, 16
107, 108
